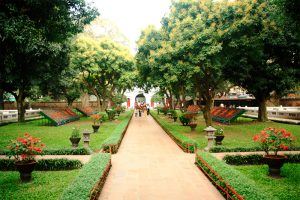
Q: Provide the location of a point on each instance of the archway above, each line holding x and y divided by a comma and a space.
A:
140, 98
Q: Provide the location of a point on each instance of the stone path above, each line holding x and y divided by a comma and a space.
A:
150, 166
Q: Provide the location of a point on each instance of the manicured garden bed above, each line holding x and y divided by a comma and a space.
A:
112, 143
237, 135
286, 188
85, 183
58, 137
185, 143
45, 185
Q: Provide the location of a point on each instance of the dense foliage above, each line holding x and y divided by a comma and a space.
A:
34, 42
203, 44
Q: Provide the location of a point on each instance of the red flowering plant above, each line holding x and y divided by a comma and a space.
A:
274, 139
96, 119
23, 149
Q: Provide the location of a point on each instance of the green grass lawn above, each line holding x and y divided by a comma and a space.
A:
57, 137
287, 188
45, 185
237, 134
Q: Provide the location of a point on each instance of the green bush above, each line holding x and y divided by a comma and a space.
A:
244, 186
256, 159
218, 149
87, 178
78, 151
185, 121
115, 137
44, 164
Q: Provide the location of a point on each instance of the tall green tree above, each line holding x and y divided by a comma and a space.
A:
104, 65
33, 37
261, 51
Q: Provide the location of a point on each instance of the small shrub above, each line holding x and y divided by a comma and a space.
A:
256, 159
235, 179
45, 164
184, 120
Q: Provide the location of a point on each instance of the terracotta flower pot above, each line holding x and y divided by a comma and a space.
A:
25, 170
275, 163
95, 128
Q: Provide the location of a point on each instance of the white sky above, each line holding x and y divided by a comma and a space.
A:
132, 16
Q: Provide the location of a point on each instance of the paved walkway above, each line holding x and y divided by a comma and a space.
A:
150, 166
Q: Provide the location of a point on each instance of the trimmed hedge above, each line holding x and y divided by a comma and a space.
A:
255, 159
186, 143
44, 164
218, 149
114, 140
78, 151
244, 186
88, 177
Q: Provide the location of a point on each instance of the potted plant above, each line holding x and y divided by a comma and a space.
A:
111, 114
118, 110
274, 139
219, 136
185, 121
174, 115
96, 122
192, 120
75, 137
24, 150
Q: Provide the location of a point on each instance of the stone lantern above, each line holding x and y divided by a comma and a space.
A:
210, 135
86, 138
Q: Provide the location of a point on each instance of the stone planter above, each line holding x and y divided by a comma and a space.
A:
275, 163
74, 141
219, 139
25, 170
95, 128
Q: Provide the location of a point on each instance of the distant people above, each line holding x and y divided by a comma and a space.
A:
145, 110
148, 109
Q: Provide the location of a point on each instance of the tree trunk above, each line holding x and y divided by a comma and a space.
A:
21, 106
84, 100
1, 99
262, 110
207, 110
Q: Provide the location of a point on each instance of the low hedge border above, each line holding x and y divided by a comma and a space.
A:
44, 164
186, 144
113, 142
256, 159
219, 149
78, 151
92, 175
229, 181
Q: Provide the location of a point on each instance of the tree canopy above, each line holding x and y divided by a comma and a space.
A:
201, 44
33, 42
